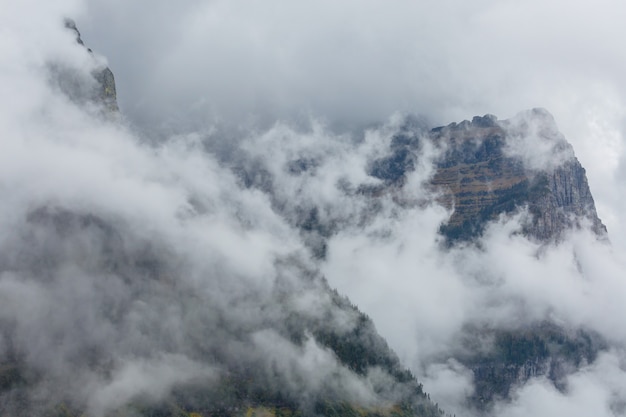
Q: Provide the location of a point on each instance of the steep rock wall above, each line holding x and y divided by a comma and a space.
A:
489, 167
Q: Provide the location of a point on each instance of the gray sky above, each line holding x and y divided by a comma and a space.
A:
360, 61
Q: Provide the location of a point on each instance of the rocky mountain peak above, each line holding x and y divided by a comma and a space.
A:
71, 25
489, 167
98, 87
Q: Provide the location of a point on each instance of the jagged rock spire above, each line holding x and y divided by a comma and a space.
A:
104, 91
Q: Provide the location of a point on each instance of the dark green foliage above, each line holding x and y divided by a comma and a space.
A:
362, 347
543, 349
359, 349
515, 349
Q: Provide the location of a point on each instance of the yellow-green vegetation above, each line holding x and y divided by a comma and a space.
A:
351, 410
270, 412
328, 409
62, 410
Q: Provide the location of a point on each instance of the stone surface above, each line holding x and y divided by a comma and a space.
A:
99, 88
489, 167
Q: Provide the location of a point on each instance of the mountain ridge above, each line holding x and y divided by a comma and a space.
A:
132, 325
558, 193
481, 173
275, 354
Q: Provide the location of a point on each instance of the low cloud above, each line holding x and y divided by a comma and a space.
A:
596, 389
130, 270
102, 229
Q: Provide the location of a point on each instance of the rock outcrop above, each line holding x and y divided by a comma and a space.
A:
98, 87
244, 367
490, 167
485, 169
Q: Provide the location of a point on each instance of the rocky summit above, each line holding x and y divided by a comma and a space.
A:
490, 167
485, 169
249, 382
97, 87
291, 346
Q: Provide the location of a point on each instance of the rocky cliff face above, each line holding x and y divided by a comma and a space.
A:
485, 168
490, 167
97, 87
482, 169
231, 366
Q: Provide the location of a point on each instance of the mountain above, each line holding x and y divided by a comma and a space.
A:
185, 278
104, 316
85, 88
483, 171
488, 168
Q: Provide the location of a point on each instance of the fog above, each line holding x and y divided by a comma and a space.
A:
197, 64
128, 269
147, 244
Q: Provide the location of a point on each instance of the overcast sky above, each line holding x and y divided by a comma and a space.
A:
359, 61
185, 66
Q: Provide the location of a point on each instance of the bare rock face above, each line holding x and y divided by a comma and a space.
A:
489, 167
567, 203
98, 87
105, 91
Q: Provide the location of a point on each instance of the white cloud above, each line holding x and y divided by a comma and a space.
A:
190, 64
596, 390
196, 63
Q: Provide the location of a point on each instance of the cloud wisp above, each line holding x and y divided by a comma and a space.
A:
127, 264
133, 273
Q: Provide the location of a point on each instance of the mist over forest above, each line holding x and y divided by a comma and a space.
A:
252, 212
